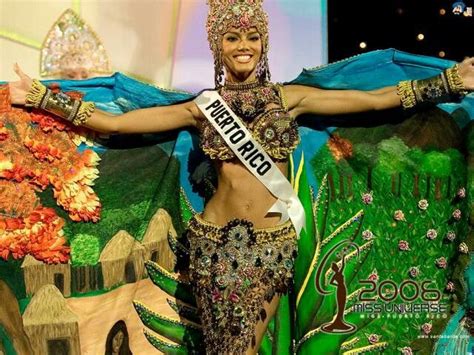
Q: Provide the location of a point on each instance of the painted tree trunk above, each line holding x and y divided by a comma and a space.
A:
448, 188
342, 193
428, 188
438, 189
399, 184
332, 188
369, 179
416, 186
350, 191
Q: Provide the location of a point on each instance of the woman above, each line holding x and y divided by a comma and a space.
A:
241, 255
117, 340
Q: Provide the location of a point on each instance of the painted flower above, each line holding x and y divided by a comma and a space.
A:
367, 198
3, 132
414, 271
367, 235
461, 192
406, 351
47, 122
450, 287
463, 248
423, 205
39, 235
373, 338
374, 276
398, 215
450, 236
457, 214
341, 148
403, 245
431, 234
441, 262
426, 328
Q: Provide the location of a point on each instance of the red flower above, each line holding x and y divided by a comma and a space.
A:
374, 276
3, 132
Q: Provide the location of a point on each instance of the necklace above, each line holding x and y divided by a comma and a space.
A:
251, 99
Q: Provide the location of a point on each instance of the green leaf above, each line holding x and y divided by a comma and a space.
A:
167, 348
328, 344
182, 334
265, 346
187, 211
282, 336
307, 240
170, 284
184, 311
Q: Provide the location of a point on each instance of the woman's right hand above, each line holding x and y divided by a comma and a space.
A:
19, 89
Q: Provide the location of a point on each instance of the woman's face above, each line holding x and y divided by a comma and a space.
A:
117, 342
74, 74
241, 53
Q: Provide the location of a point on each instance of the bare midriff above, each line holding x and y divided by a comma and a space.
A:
241, 195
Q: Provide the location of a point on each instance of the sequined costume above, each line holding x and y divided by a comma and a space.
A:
263, 109
235, 268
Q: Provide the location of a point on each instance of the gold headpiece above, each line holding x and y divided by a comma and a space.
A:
243, 14
71, 44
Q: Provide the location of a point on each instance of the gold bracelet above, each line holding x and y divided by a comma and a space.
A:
455, 82
445, 87
86, 109
406, 94
59, 104
36, 94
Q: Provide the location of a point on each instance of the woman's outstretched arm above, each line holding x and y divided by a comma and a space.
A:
148, 120
303, 99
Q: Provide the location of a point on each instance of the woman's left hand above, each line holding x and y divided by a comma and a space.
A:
466, 71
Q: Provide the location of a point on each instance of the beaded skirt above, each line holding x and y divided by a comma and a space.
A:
233, 270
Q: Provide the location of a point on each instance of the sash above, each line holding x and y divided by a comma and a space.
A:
253, 156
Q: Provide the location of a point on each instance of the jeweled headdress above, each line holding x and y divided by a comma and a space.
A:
243, 14
71, 43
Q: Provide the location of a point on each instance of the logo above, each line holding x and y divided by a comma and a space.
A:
377, 298
460, 8
338, 324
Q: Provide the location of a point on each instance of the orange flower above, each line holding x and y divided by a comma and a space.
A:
39, 235
39, 155
17, 173
14, 223
340, 148
47, 122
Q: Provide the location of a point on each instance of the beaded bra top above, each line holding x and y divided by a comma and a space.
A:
263, 110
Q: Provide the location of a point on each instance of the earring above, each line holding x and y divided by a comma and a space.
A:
218, 70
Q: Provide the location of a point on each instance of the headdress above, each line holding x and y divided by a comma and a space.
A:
71, 43
243, 14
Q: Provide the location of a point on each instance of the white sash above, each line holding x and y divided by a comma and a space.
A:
253, 156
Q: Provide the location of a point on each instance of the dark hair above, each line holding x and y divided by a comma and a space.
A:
124, 347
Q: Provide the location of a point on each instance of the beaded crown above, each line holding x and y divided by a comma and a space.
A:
71, 43
242, 14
